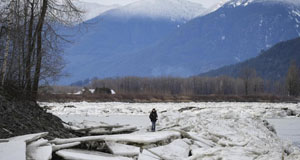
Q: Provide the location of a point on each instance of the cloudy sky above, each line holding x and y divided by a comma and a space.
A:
205, 3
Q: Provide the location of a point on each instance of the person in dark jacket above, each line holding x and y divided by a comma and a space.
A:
153, 118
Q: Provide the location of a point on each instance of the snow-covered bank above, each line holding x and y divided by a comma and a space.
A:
231, 131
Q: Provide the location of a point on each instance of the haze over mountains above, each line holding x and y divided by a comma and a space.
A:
178, 37
272, 64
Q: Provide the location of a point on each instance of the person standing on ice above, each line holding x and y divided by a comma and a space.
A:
153, 118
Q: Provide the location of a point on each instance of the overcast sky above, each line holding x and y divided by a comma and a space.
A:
205, 3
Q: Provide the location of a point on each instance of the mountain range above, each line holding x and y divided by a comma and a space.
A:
178, 38
271, 64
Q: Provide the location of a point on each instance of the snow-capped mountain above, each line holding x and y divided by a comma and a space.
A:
236, 3
145, 46
92, 10
176, 10
114, 35
229, 35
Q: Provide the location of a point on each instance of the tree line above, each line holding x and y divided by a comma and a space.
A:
30, 46
247, 83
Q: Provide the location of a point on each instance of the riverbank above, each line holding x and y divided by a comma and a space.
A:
19, 117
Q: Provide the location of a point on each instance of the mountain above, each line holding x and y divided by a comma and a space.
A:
92, 10
175, 10
272, 64
130, 42
114, 34
231, 34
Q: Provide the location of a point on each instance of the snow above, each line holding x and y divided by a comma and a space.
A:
100, 131
64, 146
40, 153
14, 150
137, 138
287, 129
76, 93
226, 129
40, 142
146, 155
122, 149
231, 153
92, 10
237, 59
29, 138
112, 91
140, 121
113, 109
175, 10
77, 154
92, 90
176, 150
297, 13
236, 3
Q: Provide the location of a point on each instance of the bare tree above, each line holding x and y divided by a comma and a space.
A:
293, 80
30, 40
247, 75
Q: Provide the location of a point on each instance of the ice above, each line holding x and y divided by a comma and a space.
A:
146, 155
138, 138
176, 150
39, 150
125, 129
211, 130
77, 154
14, 150
122, 149
40, 153
232, 153
29, 137
287, 129
64, 146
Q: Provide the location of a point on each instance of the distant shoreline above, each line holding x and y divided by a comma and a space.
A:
139, 98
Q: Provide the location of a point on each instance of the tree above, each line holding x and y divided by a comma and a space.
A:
293, 80
32, 47
247, 75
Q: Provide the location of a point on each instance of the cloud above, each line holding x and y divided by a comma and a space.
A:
205, 3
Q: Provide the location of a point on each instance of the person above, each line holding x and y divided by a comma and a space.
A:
153, 118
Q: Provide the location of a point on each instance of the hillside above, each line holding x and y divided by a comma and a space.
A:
125, 45
227, 36
19, 116
115, 34
270, 64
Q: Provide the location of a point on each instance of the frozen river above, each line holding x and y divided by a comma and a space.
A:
140, 121
236, 130
287, 129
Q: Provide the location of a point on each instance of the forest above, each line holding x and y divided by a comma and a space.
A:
247, 83
247, 86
